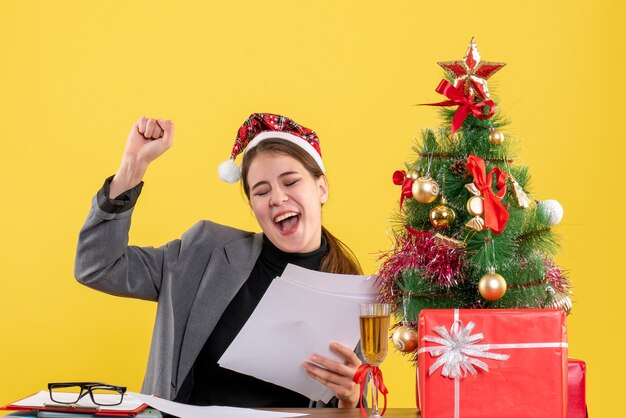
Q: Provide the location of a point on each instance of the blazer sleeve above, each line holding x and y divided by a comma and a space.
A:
105, 261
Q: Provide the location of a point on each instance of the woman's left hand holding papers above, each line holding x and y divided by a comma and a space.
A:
337, 376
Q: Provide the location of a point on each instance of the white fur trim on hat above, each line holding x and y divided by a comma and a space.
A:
291, 138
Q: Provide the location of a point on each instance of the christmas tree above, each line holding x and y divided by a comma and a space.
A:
469, 233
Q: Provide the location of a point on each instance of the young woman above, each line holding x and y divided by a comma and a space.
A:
208, 282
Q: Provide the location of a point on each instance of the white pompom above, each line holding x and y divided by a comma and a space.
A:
229, 172
553, 210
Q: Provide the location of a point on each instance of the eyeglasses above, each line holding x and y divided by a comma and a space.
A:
100, 393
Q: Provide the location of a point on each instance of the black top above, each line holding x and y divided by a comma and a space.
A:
208, 383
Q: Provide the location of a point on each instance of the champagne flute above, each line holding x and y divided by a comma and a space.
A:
374, 319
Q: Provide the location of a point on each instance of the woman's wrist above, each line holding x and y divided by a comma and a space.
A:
348, 403
129, 174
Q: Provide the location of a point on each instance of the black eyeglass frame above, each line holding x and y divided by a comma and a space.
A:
87, 388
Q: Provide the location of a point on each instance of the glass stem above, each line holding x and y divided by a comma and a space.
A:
374, 396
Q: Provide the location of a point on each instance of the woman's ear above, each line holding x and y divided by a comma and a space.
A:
322, 184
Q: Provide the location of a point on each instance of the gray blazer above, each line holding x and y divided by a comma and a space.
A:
193, 279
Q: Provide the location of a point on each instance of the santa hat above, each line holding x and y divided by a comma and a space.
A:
261, 126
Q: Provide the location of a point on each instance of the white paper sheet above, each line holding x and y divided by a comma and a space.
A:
342, 284
301, 313
189, 411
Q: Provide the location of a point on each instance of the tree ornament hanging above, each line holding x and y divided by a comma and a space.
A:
475, 204
405, 338
442, 216
496, 137
476, 207
523, 201
413, 175
425, 189
552, 210
558, 300
492, 286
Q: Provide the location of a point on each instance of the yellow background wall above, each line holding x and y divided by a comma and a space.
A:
75, 75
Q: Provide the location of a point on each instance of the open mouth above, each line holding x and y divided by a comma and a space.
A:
287, 222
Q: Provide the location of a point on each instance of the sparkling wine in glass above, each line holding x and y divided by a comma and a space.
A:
374, 319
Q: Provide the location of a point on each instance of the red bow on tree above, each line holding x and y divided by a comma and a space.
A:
496, 214
400, 178
360, 377
466, 105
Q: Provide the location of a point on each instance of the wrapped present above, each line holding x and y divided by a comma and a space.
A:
576, 399
492, 363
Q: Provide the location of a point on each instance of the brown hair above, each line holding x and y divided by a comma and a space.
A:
339, 258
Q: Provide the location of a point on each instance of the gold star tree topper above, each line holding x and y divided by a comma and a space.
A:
470, 74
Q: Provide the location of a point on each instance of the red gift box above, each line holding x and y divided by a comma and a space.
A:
576, 401
492, 363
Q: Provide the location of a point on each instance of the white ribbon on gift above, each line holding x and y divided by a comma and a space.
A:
458, 351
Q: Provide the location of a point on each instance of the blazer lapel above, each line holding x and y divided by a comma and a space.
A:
227, 271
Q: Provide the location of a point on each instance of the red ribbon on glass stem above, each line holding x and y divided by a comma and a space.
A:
496, 214
466, 105
360, 377
400, 178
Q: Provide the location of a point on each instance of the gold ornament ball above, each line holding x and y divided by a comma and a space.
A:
496, 137
492, 286
425, 189
442, 216
405, 339
412, 175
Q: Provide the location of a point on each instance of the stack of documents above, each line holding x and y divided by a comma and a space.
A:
301, 314
41, 402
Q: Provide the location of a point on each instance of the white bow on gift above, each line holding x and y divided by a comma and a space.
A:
458, 351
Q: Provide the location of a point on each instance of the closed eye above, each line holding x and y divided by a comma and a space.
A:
261, 190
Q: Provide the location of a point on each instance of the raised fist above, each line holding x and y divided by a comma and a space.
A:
148, 139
